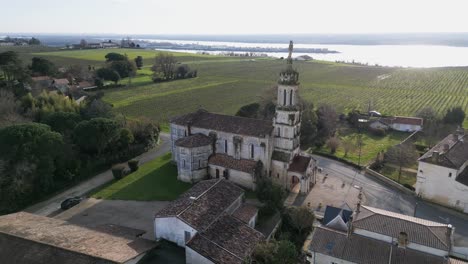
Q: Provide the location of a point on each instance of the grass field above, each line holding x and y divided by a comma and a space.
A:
406, 177
153, 181
224, 84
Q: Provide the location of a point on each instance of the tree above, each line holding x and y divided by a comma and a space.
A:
11, 68
272, 195
96, 108
124, 68
333, 143
308, 125
164, 65
144, 131
108, 75
139, 62
83, 43
348, 145
42, 66
10, 109
301, 219
402, 155
326, 124
182, 71
250, 110
275, 252
428, 114
34, 41
96, 135
454, 116
62, 122
113, 56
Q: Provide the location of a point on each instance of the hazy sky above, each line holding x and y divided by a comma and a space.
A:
232, 17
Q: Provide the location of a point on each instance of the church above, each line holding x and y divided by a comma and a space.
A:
209, 146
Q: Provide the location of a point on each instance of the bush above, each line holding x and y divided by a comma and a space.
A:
380, 132
133, 165
118, 171
409, 187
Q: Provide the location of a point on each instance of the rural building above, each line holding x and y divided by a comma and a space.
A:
31, 239
304, 58
60, 85
209, 145
211, 222
109, 45
443, 173
398, 123
380, 236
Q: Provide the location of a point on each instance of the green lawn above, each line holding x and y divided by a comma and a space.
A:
371, 145
392, 173
154, 181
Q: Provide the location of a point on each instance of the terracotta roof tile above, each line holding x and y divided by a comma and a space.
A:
55, 236
228, 240
299, 164
420, 231
196, 140
232, 163
226, 123
245, 212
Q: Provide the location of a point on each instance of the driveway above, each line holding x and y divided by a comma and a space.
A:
51, 206
381, 196
95, 213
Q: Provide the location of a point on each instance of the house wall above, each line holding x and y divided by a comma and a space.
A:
253, 221
279, 173
282, 89
241, 178
434, 184
193, 257
406, 127
172, 229
319, 258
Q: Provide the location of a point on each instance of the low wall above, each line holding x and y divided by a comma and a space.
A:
388, 181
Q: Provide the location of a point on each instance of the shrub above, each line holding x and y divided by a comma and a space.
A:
380, 132
118, 171
133, 165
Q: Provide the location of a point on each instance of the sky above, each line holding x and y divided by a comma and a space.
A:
232, 17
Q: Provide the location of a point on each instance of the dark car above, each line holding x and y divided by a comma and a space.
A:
70, 202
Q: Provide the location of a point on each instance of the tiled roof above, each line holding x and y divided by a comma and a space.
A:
226, 123
457, 261
245, 212
299, 164
28, 238
232, 163
463, 177
419, 231
61, 81
196, 140
453, 152
228, 240
365, 250
204, 203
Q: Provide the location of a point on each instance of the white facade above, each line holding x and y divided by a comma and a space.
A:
241, 178
192, 163
437, 183
193, 257
173, 229
406, 127
319, 258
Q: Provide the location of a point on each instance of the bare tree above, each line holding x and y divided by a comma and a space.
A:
165, 65
333, 143
9, 109
348, 145
301, 218
327, 120
402, 155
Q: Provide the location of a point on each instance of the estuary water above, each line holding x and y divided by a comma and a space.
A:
385, 55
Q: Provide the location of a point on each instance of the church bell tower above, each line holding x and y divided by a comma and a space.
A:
287, 120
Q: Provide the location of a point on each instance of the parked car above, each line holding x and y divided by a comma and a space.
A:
70, 202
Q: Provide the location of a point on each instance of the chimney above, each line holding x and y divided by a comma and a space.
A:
189, 128
435, 156
358, 207
402, 240
446, 148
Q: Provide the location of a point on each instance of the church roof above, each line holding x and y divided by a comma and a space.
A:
226, 123
193, 141
232, 163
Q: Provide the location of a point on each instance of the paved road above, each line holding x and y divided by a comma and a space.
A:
52, 205
381, 196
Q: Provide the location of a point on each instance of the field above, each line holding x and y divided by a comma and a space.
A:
153, 181
226, 83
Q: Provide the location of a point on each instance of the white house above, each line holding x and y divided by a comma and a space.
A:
443, 174
399, 123
208, 145
380, 236
211, 222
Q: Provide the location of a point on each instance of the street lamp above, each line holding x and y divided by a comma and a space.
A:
360, 122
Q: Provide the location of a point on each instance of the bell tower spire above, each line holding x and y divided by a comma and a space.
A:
289, 61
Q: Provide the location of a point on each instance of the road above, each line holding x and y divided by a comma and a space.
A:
52, 205
381, 196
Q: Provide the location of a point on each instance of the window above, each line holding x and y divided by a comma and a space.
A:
277, 175
284, 97
252, 149
450, 175
199, 164
185, 133
183, 164
225, 146
269, 174
187, 236
290, 97
278, 132
226, 174
217, 173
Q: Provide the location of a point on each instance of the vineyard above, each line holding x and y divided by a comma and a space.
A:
226, 83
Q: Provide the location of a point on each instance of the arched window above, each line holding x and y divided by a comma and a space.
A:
225, 146
284, 97
290, 97
278, 131
252, 149
183, 164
